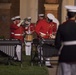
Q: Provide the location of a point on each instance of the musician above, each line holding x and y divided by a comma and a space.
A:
44, 30
18, 30
54, 23
66, 42
29, 30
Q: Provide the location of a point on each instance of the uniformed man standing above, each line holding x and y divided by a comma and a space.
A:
54, 23
18, 31
66, 40
44, 30
29, 31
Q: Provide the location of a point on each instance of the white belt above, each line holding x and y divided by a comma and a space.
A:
69, 43
18, 34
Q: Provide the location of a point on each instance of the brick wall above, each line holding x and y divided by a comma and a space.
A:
41, 8
5, 16
15, 8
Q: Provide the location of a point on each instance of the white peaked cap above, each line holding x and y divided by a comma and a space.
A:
70, 8
17, 17
28, 17
56, 21
41, 14
50, 16
13, 18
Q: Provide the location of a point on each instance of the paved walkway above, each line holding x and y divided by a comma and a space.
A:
52, 71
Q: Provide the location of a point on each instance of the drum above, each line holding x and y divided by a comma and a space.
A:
28, 37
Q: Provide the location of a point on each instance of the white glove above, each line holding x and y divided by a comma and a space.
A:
42, 34
53, 36
20, 23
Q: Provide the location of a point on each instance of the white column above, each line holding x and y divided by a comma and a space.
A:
34, 10
23, 8
29, 8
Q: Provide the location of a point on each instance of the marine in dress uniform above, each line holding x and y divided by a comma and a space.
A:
54, 23
40, 17
44, 30
18, 30
66, 42
29, 30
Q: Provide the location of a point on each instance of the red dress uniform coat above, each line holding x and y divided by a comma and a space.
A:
18, 32
54, 27
31, 27
40, 20
44, 27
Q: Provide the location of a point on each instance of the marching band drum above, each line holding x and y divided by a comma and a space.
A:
28, 37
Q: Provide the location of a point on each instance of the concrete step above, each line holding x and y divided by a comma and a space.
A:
54, 60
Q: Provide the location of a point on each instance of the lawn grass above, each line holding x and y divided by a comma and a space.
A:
26, 69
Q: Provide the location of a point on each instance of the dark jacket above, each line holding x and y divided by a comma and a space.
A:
66, 32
